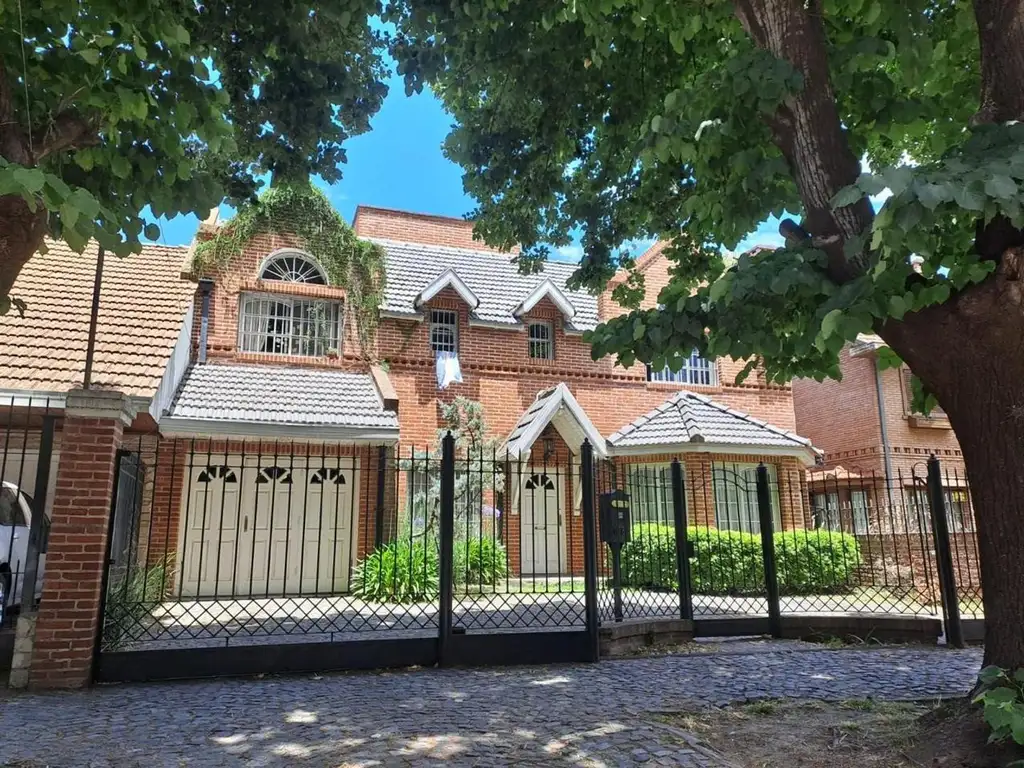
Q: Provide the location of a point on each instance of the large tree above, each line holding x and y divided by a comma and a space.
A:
109, 106
694, 120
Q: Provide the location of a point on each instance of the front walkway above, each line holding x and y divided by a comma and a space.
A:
590, 715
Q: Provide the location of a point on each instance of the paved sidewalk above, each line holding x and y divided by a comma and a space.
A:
588, 715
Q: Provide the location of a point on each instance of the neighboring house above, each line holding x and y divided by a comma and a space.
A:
252, 393
876, 447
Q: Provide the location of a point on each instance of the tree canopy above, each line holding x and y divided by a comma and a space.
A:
674, 120
108, 107
692, 121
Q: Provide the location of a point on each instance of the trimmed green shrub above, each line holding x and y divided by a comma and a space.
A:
731, 562
480, 562
400, 572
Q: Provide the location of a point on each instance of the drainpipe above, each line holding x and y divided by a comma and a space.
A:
205, 288
886, 448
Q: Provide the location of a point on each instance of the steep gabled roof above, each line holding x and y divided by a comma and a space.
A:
558, 406
490, 276
143, 303
550, 291
447, 279
687, 421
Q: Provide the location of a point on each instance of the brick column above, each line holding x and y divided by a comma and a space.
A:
66, 629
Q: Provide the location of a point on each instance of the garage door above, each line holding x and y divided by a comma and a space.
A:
268, 530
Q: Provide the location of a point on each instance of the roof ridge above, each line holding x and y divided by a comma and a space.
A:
754, 420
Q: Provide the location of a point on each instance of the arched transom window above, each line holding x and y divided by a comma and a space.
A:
293, 267
287, 324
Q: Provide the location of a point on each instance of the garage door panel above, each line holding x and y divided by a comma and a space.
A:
268, 530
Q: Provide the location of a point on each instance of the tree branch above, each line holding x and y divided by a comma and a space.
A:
68, 130
1001, 34
807, 128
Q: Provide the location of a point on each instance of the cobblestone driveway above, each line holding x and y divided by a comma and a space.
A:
591, 715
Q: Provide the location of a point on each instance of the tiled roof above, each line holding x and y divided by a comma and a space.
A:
546, 407
491, 276
279, 396
143, 301
689, 418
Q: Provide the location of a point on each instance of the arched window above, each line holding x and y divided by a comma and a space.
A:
277, 324
293, 267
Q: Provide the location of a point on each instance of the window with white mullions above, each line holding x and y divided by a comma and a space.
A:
444, 330
826, 511
277, 325
293, 268
650, 494
540, 337
695, 370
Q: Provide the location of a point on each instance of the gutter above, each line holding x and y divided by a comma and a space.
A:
886, 447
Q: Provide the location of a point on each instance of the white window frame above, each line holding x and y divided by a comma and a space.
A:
827, 512
450, 321
860, 511
736, 504
312, 274
695, 371
535, 344
276, 324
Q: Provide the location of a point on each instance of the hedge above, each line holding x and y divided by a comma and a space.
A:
731, 562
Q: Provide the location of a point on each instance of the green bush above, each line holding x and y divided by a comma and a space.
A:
131, 598
400, 572
731, 562
481, 562
408, 573
1002, 699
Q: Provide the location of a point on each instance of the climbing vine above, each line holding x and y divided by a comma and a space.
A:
304, 210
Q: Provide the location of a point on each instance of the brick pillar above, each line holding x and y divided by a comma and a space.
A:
68, 621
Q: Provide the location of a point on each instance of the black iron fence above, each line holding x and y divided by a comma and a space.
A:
235, 544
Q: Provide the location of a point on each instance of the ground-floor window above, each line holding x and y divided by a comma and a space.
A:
735, 489
650, 493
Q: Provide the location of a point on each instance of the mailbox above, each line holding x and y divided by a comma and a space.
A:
613, 512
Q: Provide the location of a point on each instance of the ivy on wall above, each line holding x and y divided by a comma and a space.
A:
303, 210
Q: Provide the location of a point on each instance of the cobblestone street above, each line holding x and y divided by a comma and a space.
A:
588, 715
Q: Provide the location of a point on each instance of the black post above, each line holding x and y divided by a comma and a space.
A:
944, 556
444, 616
35, 531
590, 548
90, 347
378, 535
682, 542
771, 577
617, 580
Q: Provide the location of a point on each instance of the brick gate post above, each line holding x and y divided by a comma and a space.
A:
67, 626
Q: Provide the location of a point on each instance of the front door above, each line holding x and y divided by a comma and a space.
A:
541, 516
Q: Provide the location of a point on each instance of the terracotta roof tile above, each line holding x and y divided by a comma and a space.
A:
143, 301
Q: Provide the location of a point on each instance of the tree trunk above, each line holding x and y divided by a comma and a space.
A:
21, 235
969, 352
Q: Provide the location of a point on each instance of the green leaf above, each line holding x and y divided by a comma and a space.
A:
639, 329
897, 307
990, 675
151, 231
1001, 186
830, 323
91, 55
970, 197
847, 196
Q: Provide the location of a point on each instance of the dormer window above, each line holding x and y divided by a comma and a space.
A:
540, 341
444, 330
273, 324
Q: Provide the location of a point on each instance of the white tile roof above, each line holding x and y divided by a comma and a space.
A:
279, 396
491, 276
690, 418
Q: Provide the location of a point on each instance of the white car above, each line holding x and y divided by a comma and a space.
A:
15, 519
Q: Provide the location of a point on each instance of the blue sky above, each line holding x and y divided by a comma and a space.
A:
399, 164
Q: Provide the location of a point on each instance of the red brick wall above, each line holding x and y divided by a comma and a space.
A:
404, 226
69, 611
841, 418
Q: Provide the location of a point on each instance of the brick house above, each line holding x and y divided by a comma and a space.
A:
245, 390
875, 452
